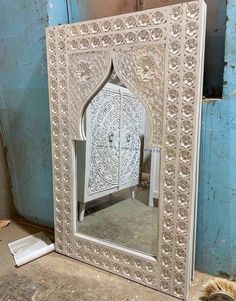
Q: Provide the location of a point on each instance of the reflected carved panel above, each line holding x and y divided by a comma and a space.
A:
157, 54
103, 120
132, 129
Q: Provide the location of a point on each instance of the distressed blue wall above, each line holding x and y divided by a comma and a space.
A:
216, 225
24, 110
24, 115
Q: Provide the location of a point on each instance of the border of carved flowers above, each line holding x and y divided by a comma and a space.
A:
181, 28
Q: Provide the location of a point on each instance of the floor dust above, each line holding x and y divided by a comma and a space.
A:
57, 278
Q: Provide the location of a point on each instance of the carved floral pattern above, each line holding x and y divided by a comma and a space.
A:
146, 68
86, 73
172, 37
83, 72
142, 70
114, 118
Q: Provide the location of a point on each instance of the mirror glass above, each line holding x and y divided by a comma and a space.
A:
117, 171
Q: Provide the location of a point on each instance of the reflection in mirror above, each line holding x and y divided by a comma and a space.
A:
117, 171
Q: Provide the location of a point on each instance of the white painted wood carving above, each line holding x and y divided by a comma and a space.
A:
158, 55
115, 121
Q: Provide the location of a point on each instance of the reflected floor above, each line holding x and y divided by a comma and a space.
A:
129, 223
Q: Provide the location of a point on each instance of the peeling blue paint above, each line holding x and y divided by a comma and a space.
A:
216, 226
57, 12
24, 107
217, 189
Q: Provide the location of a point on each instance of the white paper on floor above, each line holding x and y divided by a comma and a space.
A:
30, 248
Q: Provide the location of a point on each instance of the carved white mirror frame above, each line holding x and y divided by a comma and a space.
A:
158, 55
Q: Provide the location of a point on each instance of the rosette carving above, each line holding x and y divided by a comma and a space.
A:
157, 55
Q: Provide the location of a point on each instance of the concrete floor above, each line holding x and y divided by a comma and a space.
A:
57, 278
128, 223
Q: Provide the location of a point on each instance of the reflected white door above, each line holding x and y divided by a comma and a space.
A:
132, 138
115, 124
102, 141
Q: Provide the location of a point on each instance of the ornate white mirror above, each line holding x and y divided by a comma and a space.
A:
125, 99
117, 171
